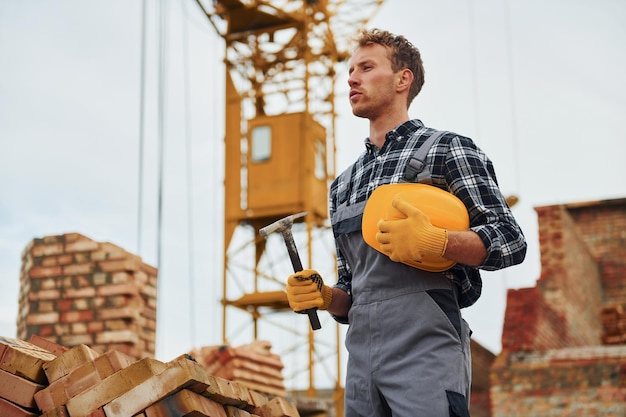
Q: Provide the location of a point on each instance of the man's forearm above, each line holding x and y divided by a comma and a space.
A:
466, 248
340, 304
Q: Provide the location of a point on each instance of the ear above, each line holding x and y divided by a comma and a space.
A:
405, 79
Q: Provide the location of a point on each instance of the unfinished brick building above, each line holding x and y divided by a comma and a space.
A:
564, 340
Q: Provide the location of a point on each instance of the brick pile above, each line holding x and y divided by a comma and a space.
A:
252, 365
80, 382
74, 290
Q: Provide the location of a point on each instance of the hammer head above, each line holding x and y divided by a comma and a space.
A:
281, 225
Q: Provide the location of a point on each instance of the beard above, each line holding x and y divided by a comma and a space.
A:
375, 104
364, 110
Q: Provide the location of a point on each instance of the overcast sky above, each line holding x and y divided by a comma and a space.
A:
539, 85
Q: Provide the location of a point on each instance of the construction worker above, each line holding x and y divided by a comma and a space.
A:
409, 347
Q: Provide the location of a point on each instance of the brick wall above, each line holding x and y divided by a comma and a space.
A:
571, 382
603, 228
74, 290
530, 324
480, 399
570, 277
553, 361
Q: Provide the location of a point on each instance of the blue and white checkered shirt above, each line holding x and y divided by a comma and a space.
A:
456, 165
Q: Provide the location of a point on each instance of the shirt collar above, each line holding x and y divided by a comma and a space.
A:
397, 134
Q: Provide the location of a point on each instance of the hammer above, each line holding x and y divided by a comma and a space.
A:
284, 227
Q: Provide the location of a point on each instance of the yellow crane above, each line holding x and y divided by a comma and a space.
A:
280, 61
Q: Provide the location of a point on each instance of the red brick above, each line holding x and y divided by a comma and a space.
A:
121, 336
47, 250
81, 246
48, 345
68, 361
80, 379
224, 391
79, 328
236, 412
184, 403
48, 294
132, 264
99, 278
113, 387
118, 313
46, 306
45, 272
77, 281
86, 292
18, 390
76, 339
64, 304
24, 359
78, 269
8, 409
65, 259
59, 411
77, 316
179, 373
98, 412
48, 283
49, 261
95, 326
278, 407
46, 330
149, 291
109, 251
120, 277
117, 289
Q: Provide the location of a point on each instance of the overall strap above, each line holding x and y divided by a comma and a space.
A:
417, 162
415, 165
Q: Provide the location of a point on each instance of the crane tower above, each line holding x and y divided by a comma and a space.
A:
280, 62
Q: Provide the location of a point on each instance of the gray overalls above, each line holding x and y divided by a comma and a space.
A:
409, 348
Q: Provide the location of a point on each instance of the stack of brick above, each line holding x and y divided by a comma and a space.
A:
613, 325
252, 365
21, 376
74, 290
79, 382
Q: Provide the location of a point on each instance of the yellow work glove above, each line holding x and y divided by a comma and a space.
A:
409, 239
305, 290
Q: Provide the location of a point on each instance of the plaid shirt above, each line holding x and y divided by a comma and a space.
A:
456, 165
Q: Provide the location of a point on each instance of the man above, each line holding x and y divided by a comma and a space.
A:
409, 351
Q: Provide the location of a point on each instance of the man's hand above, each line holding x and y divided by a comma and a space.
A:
305, 290
410, 238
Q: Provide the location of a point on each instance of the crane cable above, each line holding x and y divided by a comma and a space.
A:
161, 100
188, 146
513, 107
142, 122
474, 61
163, 30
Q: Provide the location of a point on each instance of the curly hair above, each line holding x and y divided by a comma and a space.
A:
402, 54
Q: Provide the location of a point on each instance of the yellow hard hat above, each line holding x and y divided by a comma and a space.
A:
442, 208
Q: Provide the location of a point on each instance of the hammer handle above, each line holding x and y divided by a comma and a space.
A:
297, 267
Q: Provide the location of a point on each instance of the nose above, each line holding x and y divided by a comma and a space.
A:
352, 80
